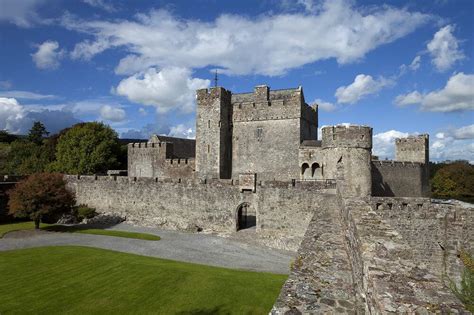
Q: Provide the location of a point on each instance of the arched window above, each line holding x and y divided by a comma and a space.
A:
316, 171
304, 167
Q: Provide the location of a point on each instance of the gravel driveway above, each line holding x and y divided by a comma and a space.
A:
190, 247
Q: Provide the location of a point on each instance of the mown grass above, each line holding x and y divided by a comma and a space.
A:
5, 228
83, 280
85, 230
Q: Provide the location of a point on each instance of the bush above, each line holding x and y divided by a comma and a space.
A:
85, 212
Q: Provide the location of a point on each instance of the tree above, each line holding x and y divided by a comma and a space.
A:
39, 195
87, 148
25, 157
454, 180
6, 137
37, 132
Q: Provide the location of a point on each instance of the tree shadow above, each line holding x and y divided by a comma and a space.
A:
214, 311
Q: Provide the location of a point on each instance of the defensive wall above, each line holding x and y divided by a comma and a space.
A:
394, 178
282, 209
435, 230
353, 259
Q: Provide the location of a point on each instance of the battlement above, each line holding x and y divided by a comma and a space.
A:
413, 148
353, 136
147, 145
204, 96
266, 104
395, 164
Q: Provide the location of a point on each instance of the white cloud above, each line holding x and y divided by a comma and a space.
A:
466, 132
454, 144
102, 4
415, 64
170, 88
337, 30
114, 114
26, 95
142, 111
444, 49
325, 106
457, 95
11, 114
384, 143
410, 98
182, 131
21, 13
18, 119
48, 55
362, 86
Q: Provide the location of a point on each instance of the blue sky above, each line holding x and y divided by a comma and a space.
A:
402, 67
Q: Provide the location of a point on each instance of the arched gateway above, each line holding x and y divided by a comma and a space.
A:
245, 217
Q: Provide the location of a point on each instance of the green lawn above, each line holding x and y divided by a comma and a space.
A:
83, 280
5, 228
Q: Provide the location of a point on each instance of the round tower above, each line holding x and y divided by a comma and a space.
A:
350, 147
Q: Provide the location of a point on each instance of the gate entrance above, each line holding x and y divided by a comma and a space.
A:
246, 217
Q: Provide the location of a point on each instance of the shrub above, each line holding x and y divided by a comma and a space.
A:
85, 212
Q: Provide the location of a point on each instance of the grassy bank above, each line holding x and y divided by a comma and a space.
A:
5, 228
82, 280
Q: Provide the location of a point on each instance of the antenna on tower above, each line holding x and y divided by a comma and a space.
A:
215, 79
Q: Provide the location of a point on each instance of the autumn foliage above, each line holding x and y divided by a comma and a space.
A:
41, 194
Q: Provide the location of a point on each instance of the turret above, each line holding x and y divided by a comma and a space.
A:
349, 148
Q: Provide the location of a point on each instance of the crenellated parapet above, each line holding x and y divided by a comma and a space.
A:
348, 136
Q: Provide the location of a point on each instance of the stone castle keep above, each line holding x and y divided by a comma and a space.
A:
368, 238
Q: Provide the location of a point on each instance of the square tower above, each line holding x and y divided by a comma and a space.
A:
413, 149
214, 133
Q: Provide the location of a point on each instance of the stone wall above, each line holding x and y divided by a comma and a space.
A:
435, 231
401, 179
283, 209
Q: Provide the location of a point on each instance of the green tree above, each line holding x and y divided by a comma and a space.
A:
41, 194
454, 180
25, 157
87, 148
6, 137
37, 133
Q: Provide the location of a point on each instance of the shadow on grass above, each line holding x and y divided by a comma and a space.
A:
214, 311
100, 230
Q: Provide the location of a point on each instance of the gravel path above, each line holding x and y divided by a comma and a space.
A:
190, 247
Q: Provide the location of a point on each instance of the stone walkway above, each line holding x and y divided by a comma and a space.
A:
189, 247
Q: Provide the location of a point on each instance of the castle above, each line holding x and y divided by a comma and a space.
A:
273, 135
368, 238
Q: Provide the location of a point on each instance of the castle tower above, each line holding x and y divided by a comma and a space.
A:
214, 133
348, 153
413, 149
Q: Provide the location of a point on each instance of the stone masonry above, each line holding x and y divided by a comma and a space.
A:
368, 239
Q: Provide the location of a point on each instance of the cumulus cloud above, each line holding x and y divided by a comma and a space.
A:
457, 95
21, 13
114, 114
170, 88
325, 106
158, 39
444, 49
48, 55
11, 115
18, 118
384, 143
182, 131
362, 86
454, 144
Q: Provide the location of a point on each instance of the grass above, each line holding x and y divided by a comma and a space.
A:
85, 230
5, 228
83, 280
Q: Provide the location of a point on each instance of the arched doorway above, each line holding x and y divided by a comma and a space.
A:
245, 217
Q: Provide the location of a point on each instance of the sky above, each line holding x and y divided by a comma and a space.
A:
401, 67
